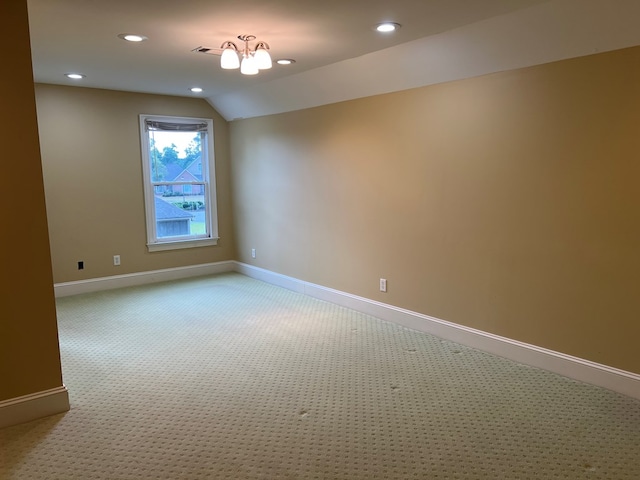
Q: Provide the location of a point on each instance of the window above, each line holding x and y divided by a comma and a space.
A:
179, 182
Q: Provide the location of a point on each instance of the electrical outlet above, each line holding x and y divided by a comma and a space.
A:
80, 265
253, 253
383, 284
116, 260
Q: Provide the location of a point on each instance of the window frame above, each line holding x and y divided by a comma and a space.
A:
154, 243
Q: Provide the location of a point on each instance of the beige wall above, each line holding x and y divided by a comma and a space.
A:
508, 203
29, 354
93, 180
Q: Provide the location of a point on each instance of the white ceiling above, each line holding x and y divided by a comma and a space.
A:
339, 55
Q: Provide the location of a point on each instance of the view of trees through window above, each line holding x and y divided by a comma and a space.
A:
176, 170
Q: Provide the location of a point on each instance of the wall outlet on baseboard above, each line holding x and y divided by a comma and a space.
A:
253, 253
383, 284
116, 260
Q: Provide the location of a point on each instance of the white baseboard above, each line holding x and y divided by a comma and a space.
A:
620, 381
141, 278
31, 407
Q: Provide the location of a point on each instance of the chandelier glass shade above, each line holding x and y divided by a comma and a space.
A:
249, 60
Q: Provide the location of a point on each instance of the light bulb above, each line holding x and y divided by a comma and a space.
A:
263, 59
248, 65
229, 59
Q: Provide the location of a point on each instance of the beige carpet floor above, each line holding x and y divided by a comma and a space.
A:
226, 377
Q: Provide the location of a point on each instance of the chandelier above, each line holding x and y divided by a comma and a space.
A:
253, 59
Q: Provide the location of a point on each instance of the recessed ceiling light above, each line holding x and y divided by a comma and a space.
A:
387, 27
285, 61
75, 76
132, 37
196, 89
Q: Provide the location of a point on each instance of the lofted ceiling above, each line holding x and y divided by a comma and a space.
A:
338, 54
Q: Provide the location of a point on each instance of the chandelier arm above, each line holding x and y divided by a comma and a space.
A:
229, 45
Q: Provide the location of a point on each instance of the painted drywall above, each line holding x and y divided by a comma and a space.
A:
93, 181
29, 352
507, 203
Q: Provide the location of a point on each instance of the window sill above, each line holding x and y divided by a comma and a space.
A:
176, 245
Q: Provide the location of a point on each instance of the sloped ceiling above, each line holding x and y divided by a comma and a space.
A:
338, 54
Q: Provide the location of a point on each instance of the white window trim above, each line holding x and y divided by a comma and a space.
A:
208, 177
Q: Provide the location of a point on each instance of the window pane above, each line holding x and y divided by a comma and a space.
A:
175, 156
181, 211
